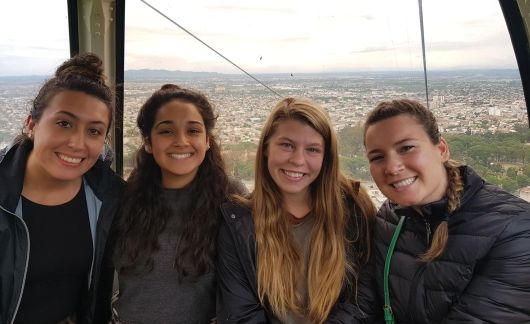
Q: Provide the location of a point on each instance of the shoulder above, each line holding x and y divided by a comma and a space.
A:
237, 222
236, 186
104, 181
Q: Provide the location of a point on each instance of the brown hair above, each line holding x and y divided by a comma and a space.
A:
393, 108
143, 214
278, 258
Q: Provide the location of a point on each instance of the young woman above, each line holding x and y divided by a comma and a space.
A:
292, 253
462, 254
57, 202
166, 234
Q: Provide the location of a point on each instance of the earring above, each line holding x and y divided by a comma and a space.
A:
208, 145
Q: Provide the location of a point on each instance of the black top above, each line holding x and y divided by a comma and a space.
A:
59, 262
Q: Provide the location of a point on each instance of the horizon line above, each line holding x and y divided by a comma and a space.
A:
292, 73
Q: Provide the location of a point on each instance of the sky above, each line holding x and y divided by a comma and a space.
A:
272, 36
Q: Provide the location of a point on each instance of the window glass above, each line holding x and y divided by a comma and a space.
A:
32, 45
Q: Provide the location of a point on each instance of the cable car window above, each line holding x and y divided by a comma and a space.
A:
32, 45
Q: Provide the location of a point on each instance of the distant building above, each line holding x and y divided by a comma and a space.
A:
494, 111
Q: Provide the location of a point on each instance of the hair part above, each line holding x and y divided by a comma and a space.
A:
144, 215
279, 259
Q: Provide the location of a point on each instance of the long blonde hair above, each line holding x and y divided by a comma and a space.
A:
279, 260
393, 108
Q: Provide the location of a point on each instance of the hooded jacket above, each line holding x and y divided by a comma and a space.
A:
483, 275
102, 190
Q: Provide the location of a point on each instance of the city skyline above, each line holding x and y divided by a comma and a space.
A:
274, 37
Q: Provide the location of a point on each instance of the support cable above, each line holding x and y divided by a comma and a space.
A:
211, 48
423, 51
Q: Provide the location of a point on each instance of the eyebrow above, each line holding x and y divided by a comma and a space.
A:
169, 122
290, 140
75, 117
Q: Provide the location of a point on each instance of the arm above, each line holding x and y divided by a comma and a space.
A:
500, 289
237, 301
366, 308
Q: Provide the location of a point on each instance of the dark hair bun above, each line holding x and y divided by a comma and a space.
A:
87, 65
170, 86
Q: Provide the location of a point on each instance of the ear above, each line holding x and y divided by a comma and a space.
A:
30, 126
147, 145
207, 143
444, 149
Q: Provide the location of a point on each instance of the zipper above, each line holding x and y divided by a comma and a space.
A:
25, 266
428, 231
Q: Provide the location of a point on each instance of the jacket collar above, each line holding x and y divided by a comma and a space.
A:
13, 160
12, 167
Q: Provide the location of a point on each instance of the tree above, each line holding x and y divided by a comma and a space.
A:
509, 185
523, 180
511, 173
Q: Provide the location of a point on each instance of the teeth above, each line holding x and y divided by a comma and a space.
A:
293, 174
70, 159
404, 183
180, 156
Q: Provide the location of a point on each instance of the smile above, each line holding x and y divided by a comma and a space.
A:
69, 159
293, 174
404, 183
180, 156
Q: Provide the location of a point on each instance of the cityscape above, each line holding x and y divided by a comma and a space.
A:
465, 102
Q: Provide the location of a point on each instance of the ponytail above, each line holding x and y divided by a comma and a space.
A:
455, 187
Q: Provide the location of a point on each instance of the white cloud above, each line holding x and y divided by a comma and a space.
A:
273, 36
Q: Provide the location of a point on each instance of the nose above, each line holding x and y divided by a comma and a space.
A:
297, 157
180, 139
394, 166
77, 140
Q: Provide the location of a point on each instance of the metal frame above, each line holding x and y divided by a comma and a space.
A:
515, 21
98, 26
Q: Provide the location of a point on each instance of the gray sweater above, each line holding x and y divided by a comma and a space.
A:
158, 296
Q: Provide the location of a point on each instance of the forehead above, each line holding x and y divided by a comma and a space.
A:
79, 104
298, 131
178, 111
394, 129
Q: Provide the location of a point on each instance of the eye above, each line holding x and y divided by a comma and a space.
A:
63, 124
164, 132
286, 145
94, 132
313, 150
194, 131
375, 158
406, 148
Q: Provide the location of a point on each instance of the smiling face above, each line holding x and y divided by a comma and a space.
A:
404, 163
178, 142
68, 137
295, 153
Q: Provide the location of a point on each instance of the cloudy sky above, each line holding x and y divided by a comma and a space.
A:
289, 36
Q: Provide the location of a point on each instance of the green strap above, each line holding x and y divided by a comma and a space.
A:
389, 317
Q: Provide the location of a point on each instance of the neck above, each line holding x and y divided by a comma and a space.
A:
298, 206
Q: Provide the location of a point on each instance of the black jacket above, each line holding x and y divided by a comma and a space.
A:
237, 295
102, 186
483, 274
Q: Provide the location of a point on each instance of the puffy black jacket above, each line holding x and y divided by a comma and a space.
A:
237, 295
102, 188
483, 274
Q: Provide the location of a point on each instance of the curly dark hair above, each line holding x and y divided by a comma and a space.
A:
144, 214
